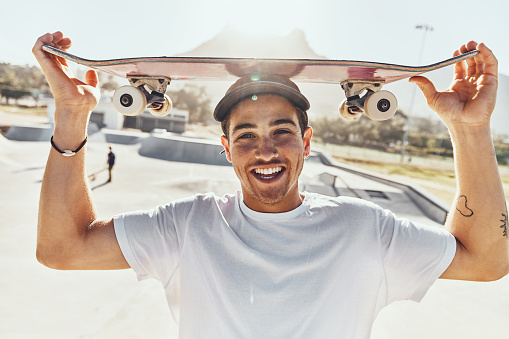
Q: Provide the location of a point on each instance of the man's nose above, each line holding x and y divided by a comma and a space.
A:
266, 150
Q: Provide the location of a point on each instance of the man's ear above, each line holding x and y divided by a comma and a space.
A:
226, 145
308, 133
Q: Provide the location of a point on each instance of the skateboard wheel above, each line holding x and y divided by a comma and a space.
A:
380, 105
165, 108
129, 100
346, 114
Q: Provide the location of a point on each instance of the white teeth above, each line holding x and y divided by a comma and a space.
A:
268, 171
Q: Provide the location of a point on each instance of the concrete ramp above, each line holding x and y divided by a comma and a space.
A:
430, 206
323, 183
94, 133
30, 132
123, 137
43, 132
176, 148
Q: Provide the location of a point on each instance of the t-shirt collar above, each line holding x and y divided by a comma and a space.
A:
271, 216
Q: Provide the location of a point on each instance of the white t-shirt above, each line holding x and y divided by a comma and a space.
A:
323, 270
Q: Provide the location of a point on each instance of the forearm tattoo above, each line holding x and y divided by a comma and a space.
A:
504, 223
462, 207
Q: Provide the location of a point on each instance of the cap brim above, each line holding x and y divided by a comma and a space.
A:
258, 87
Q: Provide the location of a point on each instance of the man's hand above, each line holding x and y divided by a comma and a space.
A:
70, 94
470, 100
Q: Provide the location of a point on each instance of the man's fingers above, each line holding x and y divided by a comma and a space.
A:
469, 46
64, 44
478, 59
426, 86
61, 60
47, 62
61, 42
483, 63
460, 68
91, 78
489, 59
472, 66
56, 38
479, 64
52, 66
46, 39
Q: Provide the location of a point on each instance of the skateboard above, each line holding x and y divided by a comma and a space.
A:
362, 81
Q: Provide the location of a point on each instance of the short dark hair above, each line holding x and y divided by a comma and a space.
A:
301, 116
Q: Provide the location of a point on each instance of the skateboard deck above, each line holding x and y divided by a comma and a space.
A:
355, 77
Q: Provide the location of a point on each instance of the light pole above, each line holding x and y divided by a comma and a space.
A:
426, 28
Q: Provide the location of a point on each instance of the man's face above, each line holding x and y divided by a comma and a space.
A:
267, 150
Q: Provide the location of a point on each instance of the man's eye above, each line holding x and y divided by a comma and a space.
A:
282, 131
246, 136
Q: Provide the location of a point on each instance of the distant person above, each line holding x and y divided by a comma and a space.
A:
269, 261
110, 162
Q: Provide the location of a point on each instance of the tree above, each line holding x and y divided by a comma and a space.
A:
391, 131
365, 132
502, 148
19, 81
332, 131
429, 136
9, 93
195, 100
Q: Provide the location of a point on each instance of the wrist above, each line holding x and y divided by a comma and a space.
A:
70, 124
473, 138
69, 134
470, 131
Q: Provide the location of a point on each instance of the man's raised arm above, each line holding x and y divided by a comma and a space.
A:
478, 217
69, 236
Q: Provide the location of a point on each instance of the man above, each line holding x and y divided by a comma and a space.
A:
270, 261
110, 161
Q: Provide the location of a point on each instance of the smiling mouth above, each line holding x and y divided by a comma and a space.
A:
268, 173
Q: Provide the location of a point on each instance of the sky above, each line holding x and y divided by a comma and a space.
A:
368, 30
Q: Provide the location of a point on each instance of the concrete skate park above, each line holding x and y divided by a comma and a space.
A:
155, 168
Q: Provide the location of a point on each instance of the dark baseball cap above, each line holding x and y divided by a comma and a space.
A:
256, 83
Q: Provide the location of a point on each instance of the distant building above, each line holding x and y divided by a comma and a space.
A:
175, 122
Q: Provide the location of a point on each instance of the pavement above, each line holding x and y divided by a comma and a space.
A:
38, 302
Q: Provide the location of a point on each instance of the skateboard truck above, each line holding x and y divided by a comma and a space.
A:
144, 92
366, 97
148, 92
